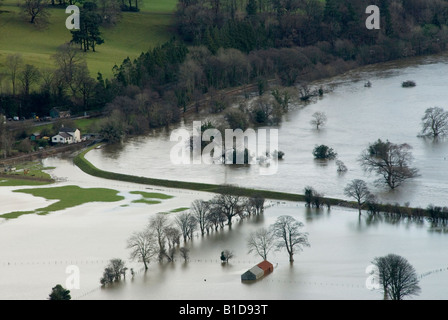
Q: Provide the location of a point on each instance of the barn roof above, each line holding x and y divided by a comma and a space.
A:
265, 265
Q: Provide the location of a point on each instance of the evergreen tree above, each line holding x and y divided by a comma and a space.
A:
89, 35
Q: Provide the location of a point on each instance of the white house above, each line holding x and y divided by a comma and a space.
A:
67, 136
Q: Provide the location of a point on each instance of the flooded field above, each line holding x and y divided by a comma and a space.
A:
35, 250
357, 116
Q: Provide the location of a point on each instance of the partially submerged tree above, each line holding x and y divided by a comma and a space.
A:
59, 293
143, 246
324, 152
261, 242
358, 190
435, 122
184, 253
319, 119
226, 255
187, 224
200, 210
229, 205
390, 161
113, 272
287, 230
397, 277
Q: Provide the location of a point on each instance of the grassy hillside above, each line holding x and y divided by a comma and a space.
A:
136, 33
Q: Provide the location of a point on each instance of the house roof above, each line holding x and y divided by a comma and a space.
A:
265, 265
67, 130
64, 135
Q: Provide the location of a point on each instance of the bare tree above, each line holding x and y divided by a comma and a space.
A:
230, 205
390, 161
435, 122
68, 58
261, 242
287, 230
13, 64
172, 236
319, 119
158, 225
143, 246
226, 255
257, 202
35, 10
341, 166
187, 223
397, 277
216, 217
200, 210
28, 77
184, 253
358, 190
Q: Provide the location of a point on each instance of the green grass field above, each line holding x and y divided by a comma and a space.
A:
35, 175
150, 197
68, 196
21, 182
135, 33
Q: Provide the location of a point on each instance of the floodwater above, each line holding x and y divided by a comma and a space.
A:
356, 115
35, 251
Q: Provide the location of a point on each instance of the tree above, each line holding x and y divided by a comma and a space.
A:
143, 246
113, 272
184, 253
341, 166
89, 35
287, 230
251, 8
68, 59
358, 190
28, 77
83, 85
319, 119
13, 64
324, 152
313, 198
397, 277
390, 161
229, 205
226, 255
110, 11
36, 10
59, 293
435, 122
158, 225
187, 223
261, 242
200, 210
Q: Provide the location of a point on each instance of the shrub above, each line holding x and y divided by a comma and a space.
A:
408, 84
324, 152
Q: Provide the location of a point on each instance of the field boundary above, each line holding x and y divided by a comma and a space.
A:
87, 167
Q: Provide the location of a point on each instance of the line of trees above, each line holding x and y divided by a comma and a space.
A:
161, 237
257, 24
